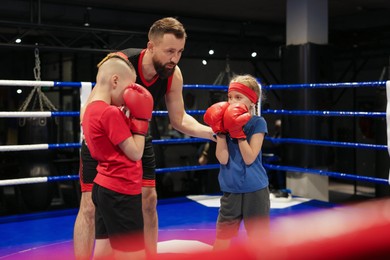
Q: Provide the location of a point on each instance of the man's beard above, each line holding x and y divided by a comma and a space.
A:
161, 69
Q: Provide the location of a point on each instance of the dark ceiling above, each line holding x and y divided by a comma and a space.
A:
234, 28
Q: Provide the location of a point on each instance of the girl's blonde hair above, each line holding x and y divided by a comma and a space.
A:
252, 83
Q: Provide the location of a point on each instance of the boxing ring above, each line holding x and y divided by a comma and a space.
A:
206, 224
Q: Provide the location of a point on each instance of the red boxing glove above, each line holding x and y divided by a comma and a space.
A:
214, 117
235, 117
139, 101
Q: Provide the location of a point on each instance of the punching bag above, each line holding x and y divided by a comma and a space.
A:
38, 163
37, 130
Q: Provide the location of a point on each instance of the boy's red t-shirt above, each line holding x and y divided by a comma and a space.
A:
105, 126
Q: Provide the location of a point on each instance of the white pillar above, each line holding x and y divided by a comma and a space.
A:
307, 22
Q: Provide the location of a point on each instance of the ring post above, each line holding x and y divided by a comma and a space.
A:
388, 119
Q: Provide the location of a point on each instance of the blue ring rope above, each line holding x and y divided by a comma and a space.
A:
190, 112
64, 145
64, 114
328, 85
197, 86
180, 141
271, 139
327, 143
224, 88
322, 113
187, 168
339, 175
159, 171
70, 84
157, 141
63, 178
265, 111
267, 166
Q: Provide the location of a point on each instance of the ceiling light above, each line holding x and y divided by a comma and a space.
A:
254, 54
87, 17
204, 62
211, 51
18, 40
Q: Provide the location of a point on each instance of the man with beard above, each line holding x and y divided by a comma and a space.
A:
157, 70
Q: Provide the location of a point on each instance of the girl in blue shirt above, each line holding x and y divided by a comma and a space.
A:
242, 177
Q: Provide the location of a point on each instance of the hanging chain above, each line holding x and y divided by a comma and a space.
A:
40, 96
37, 68
37, 75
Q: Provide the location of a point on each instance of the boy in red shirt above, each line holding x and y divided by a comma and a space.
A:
117, 142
